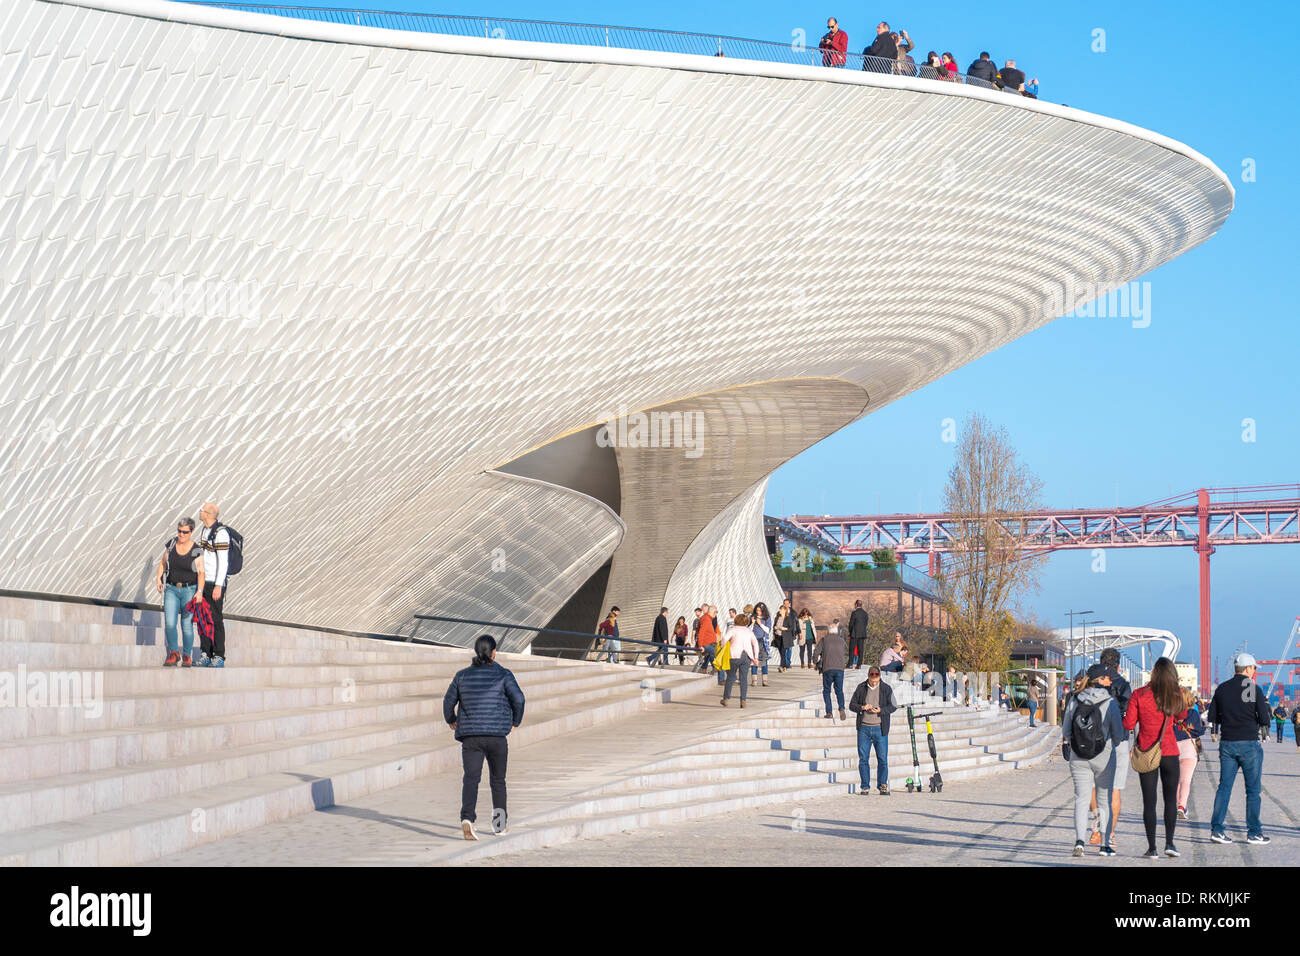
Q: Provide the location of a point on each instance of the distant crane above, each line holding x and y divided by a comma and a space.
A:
1284, 659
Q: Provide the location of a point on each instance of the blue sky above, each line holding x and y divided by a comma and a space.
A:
1098, 409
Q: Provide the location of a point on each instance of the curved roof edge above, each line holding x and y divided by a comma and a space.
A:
198, 14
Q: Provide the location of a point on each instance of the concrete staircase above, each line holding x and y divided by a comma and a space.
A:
780, 758
158, 760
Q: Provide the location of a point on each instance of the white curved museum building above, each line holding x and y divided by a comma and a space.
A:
496, 329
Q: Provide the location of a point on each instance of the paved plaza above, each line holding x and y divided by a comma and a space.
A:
1015, 818
1018, 818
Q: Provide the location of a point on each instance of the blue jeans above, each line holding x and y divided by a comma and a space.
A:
174, 601
739, 671
612, 650
1249, 756
785, 656
1033, 710
869, 737
833, 679
896, 667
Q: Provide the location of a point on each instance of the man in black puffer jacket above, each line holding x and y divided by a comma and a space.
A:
482, 705
983, 69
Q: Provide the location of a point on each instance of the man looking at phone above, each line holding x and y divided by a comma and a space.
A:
873, 702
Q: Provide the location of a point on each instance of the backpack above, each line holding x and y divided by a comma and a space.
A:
234, 560
1087, 736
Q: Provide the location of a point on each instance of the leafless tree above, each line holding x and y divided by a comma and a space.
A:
986, 574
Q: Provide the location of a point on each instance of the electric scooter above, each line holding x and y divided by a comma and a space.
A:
936, 781
914, 781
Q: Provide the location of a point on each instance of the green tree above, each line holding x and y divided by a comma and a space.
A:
884, 558
836, 563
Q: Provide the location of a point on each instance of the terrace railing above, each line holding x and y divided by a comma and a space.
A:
589, 34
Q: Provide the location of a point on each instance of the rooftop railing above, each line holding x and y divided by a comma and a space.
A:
623, 38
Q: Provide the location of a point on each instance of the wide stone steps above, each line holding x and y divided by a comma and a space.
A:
79, 752
168, 758
173, 696
606, 824
770, 759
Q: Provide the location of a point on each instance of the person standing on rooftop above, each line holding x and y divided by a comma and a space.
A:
834, 44
882, 55
1011, 79
904, 65
983, 69
482, 705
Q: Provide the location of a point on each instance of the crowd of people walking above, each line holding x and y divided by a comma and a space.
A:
1108, 729
1101, 711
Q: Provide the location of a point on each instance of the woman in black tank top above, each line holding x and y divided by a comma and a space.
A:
180, 577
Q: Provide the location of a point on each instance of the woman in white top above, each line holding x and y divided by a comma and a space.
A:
744, 651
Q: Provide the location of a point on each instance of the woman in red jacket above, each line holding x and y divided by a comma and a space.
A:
1154, 709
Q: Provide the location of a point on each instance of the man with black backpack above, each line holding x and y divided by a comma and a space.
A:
223, 555
1120, 691
1090, 737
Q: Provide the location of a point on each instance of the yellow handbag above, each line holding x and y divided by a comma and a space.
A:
722, 660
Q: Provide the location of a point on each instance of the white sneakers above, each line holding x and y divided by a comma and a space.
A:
467, 828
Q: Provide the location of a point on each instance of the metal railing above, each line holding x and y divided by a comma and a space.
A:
606, 35
899, 574
588, 647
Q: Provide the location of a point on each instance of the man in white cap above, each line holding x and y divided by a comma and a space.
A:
1240, 710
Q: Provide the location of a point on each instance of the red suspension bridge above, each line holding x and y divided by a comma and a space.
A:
1203, 520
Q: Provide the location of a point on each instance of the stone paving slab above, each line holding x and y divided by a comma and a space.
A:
1017, 818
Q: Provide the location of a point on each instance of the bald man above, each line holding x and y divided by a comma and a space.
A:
214, 539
